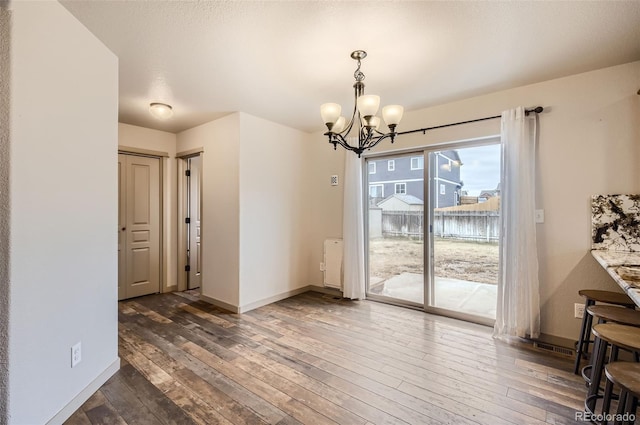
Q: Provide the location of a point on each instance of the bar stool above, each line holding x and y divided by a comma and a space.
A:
591, 297
619, 336
611, 314
626, 376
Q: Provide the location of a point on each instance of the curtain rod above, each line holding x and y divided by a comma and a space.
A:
536, 110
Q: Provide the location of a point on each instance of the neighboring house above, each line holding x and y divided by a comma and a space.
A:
405, 176
488, 194
447, 178
401, 203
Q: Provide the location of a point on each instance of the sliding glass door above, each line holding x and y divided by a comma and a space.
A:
433, 229
395, 217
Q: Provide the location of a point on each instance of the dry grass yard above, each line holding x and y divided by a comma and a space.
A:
472, 261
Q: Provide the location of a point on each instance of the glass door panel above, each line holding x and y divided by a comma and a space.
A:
395, 215
464, 213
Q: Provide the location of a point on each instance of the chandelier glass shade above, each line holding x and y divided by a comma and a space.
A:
363, 118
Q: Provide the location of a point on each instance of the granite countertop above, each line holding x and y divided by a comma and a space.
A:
615, 262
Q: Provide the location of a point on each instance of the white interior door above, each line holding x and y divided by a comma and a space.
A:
194, 251
139, 236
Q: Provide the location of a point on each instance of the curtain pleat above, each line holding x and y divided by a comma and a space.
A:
518, 308
353, 229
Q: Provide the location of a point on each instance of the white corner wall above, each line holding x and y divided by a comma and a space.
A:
220, 206
63, 207
273, 203
589, 144
132, 136
255, 206
5, 110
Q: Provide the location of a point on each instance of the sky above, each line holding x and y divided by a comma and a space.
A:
480, 168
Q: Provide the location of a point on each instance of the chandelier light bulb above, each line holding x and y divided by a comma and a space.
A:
162, 111
368, 104
330, 112
392, 114
339, 125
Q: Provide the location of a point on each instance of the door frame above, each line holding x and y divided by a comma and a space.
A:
428, 220
181, 158
365, 202
162, 158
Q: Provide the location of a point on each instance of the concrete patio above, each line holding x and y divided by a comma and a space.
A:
452, 294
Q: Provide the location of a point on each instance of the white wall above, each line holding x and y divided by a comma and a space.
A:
220, 205
5, 108
273, 202
255, 203
63, 262
589, 144
145, 138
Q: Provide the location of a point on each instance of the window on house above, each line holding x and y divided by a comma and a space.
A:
417, 163
443, 189
372, 168
401, 188
376, 191
391, 165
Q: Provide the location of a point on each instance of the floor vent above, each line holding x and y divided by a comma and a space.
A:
553, 348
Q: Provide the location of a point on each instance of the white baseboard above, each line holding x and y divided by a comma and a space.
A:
325, 290
84, 395
269, 300
221, 304
273, 299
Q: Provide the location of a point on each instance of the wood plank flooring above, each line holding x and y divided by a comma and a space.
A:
313, 359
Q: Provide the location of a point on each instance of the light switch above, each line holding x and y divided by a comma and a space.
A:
539, 216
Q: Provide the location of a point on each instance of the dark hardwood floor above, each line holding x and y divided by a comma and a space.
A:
312, 359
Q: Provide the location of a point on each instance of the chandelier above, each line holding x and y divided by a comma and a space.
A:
364, 117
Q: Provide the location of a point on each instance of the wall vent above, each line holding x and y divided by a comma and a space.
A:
553, 348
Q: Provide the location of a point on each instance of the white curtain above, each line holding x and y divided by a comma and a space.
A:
518, 309
353, 228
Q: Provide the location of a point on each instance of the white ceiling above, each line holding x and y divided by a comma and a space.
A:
281, 60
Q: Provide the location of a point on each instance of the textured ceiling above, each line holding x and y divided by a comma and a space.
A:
281, 60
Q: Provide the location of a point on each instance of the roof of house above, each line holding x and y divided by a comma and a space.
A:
492, 204
407, 199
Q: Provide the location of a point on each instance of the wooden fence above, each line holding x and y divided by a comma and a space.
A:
402, 223
479, 226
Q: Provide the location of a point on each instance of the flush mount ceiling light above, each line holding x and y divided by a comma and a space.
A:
162, 111
364, 117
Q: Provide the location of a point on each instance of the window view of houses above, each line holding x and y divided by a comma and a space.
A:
464, 233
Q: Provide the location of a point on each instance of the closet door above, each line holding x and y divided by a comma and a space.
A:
139, 264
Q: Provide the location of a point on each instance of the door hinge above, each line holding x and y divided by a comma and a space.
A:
187, 268
187, 220
187, 173
431, 228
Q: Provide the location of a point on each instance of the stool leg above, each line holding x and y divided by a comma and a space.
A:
599, 354
608, 391
633, 408
585, 333
621, 407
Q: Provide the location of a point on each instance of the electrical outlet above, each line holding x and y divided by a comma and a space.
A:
578, 310
76, 354
321, 267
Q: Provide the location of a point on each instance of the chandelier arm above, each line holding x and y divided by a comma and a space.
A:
377, 140
337, 138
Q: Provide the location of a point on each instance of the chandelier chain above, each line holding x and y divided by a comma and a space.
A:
358, 75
